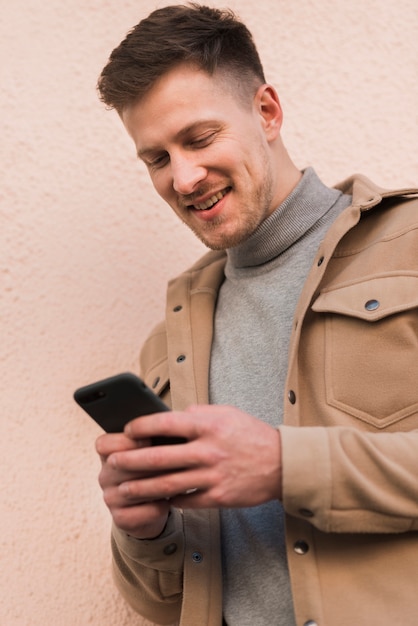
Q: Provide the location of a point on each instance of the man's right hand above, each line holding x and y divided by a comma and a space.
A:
144, 520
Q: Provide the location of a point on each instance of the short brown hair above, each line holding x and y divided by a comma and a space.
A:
211, 39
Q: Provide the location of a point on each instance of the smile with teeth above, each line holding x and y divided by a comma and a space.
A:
203, 206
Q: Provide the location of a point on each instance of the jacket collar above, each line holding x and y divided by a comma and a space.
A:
367, 194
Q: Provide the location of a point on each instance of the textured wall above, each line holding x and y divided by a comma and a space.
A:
87, 247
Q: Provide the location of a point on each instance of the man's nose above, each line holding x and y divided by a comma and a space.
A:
187, 174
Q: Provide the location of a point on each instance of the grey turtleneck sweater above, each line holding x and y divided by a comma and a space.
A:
263, 279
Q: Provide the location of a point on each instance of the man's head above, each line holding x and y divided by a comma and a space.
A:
210, 39
189, 87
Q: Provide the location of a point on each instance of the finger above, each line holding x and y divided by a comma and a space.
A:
168, 423
112, 442
143, 521
194, 499
164, 486
115, 498
156, 459
109, 476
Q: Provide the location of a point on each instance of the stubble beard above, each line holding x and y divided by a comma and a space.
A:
223, 241
260, 198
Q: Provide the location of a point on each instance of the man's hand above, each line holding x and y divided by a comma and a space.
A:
231, 459
144, 520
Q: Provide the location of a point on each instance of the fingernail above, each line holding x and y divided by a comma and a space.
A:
124, 489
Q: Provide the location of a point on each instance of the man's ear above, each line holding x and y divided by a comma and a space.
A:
269, 108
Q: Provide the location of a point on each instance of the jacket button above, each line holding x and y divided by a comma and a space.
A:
291, 396
155, 383
320, 261
310, 622
372, 305
177, 308
171, 548
197, 557
301, 547
181, 358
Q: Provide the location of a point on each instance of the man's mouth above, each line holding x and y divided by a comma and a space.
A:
208, 204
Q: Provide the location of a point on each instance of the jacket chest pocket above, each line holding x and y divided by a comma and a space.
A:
371, 347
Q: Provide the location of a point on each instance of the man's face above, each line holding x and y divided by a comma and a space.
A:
208, 155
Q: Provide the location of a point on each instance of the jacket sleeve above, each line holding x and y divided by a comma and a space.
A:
149, 573
344, 480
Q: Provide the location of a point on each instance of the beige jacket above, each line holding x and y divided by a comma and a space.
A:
349, 439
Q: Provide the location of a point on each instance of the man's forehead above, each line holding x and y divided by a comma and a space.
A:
184, 83
183, 101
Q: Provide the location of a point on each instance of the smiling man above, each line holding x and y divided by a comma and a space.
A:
288, 355
216, 158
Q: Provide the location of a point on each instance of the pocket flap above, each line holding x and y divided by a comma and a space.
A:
371, 299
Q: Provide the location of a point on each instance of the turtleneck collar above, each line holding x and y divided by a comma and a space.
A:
304, 206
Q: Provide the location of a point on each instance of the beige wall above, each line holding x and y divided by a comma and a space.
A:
87, 247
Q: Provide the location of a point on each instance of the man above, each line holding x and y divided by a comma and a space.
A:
288, 354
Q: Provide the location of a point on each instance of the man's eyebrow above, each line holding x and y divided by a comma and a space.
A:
190, 128
181, 134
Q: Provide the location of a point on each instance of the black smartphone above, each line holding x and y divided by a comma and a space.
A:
115, 401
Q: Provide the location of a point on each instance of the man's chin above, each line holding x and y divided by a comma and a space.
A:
220, 241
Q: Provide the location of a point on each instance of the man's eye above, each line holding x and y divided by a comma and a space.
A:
159, 161
201, 142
